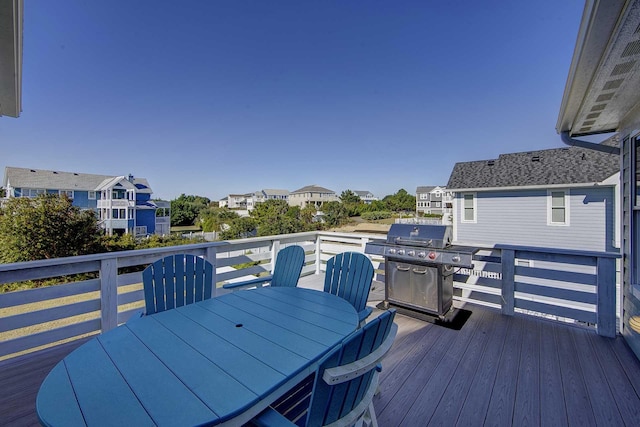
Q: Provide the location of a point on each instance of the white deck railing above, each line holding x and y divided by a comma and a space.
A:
111, 290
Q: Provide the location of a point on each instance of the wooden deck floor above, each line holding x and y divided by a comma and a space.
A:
499, 371
496, 370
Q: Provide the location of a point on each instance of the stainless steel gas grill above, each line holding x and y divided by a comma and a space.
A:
419, 266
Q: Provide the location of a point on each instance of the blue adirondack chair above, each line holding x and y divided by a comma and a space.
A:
176, 280
345, 384
349, 275
289, 263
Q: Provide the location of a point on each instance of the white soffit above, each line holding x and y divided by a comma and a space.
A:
11, 16
602, 91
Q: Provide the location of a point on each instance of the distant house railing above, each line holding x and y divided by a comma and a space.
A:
106, 288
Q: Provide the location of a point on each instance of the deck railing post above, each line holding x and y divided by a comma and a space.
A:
108, 294
606, 291
275, 248
318, 254
211, 256
508, 279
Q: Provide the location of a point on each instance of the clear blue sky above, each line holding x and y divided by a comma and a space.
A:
218, 97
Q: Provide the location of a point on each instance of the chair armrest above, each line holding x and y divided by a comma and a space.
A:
271, 418
364, 314
248, 283
347, 372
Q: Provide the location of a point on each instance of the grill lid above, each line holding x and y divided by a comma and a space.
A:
431, 236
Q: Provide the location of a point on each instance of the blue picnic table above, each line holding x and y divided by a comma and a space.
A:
216, 362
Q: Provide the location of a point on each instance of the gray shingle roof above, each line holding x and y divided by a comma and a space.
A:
275, 192
312, 189
48, 179
558, 166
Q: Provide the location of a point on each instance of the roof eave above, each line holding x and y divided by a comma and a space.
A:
597, 96
606, 183
11, 22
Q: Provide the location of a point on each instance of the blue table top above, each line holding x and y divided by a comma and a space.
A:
213, 362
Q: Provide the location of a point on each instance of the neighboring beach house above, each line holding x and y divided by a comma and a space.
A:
312, 194
433, 200
557, 198
366, 196
122, 204
262, 196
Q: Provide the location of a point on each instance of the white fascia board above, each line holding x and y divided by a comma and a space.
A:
536, 187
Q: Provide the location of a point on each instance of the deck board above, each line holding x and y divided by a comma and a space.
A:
553, 410
527, 403
496, 370
500, 411
576, 395
596, 383
476, 402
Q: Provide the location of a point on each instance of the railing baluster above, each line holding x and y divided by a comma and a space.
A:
109, 293
275, 248
508, 279
606, 273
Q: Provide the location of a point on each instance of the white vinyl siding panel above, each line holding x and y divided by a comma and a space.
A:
520, 218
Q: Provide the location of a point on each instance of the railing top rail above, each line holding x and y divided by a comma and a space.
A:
103, 256
558, 251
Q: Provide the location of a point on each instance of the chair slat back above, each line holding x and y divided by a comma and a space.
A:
289, 263
176, 280
349, 275
332, 402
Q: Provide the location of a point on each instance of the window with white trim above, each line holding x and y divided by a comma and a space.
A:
469, 207
68, 193
32, 192
557, 207
92, 195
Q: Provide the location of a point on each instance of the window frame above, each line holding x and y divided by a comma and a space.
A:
474, 198
550, 208
69, 193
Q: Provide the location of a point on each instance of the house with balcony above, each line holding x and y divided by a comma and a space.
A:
237, 201
122, 204
312, 195
561, 197
433, 200
366, 197
262, 196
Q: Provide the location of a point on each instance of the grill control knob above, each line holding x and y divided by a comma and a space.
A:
422, 254
432, 255
455, 258
391, 251
411, 253
400, 251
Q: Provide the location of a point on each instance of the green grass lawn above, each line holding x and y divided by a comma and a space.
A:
185, 228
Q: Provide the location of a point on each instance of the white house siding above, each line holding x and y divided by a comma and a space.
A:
520, 218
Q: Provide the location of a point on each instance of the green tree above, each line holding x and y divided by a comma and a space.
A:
400, 201
335, 214
45, 227
3, 192
277, 217
351, 202
185, 209
213, 218
239, 228
307, 215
